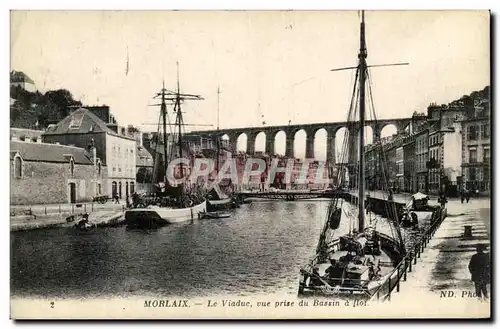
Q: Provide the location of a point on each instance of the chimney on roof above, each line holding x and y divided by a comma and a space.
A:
113, 127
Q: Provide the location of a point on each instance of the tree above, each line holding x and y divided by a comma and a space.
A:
32, 108
63, 100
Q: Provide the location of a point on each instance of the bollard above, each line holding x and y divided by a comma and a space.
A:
468, 231
406, 269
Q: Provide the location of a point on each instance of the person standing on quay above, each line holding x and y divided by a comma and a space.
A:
479, 268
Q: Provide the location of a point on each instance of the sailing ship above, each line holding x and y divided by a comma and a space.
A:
357, 263
171, 203
218, 199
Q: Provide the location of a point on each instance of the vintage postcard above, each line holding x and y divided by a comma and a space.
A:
250, 164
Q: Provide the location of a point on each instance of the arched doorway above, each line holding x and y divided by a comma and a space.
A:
120, 190
72, 192
132, 188
126, 190
114, 191
18, 167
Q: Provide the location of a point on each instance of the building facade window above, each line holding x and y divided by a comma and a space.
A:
472, 156
472, 133
472, 174
485, 129
99, 168
18, 167
486, 155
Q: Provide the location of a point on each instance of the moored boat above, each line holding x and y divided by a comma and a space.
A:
156, 216
171, 203
217, 214
218, 200
360, 262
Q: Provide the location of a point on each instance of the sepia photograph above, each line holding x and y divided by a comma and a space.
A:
250, 164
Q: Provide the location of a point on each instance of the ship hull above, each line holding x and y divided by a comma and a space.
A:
160, 216
392, 255
224, 204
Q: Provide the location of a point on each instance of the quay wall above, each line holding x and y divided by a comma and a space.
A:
101, 218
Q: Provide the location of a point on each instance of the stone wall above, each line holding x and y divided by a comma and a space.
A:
46, 183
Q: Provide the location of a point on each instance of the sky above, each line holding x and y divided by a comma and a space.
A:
271, 66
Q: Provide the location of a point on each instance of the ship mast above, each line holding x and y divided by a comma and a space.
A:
179, 127
164, 124
174, 98
362, 78
218, 137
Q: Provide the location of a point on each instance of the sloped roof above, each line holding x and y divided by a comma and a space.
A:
43, 152
18, 76
141, 157
81, 121
22, 132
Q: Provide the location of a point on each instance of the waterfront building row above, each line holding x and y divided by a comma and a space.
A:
449, 152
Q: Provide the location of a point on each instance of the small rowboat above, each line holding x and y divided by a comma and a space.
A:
217, 214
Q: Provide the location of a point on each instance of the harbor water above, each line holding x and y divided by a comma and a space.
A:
260, 249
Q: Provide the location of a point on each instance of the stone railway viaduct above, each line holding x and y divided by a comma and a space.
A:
310, 130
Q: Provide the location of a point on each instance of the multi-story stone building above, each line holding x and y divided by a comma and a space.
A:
115, 147
444, 144
434, 163
144, 167
421, 158
372, 170
20, 79
476, 153
50, 173
410, 178
399, 182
